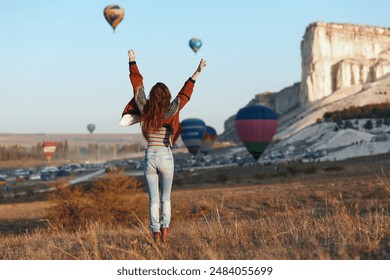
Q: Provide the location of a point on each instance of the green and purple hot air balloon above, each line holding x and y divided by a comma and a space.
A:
256, 126
192, 132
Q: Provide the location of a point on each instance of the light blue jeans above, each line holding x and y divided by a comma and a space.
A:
158, 171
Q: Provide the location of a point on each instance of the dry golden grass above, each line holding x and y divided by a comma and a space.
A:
28, 211
293, 234
320, 216
111, 200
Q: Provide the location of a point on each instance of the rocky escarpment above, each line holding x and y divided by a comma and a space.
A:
335, 56
280, 102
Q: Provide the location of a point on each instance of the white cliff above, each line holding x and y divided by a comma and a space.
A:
343, 65
335, 56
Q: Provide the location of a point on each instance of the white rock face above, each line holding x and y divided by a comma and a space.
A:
335, 56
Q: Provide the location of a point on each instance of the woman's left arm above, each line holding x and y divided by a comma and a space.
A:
186, 91
202, 64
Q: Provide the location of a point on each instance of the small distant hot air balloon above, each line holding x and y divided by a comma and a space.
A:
195, 44
91, 127
114, 15
49, 148
256, 126
192, 132
208, 140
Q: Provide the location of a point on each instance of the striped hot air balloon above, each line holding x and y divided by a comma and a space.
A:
192, 132
208, 140
114, 15
256, 126
49, 148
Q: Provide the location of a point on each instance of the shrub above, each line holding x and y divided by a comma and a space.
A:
292, 170
368, 125
334, 168
113, 199
311, 169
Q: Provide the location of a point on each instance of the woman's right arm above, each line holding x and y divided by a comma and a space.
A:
136, 81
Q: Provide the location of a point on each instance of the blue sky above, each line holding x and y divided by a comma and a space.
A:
62, 67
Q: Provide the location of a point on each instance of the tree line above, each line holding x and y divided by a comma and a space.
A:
64, 152
376, 111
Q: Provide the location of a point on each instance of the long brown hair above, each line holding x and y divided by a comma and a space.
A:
155, 108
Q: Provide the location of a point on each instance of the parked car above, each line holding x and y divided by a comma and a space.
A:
35, 176
111, 168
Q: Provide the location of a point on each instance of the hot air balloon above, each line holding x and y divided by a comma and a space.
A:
192, 132
114, 15
256, 126
49, 148
195, 44
208, 140
91, 127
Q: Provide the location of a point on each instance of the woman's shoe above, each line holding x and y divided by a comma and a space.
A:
164, 234
157, 237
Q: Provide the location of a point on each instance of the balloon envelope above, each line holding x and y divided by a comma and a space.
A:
256, 126
114, 15
192, 132
49, 148
91, 127
208, 140
195, 44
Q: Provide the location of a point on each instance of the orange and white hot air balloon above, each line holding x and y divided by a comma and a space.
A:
114, 15
208, 140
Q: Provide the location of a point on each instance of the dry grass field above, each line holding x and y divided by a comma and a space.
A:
309, 211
